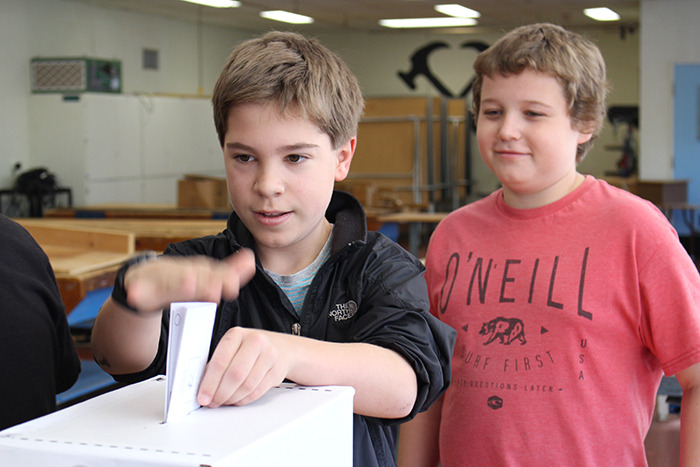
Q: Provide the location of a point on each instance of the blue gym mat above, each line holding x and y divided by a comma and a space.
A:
92, 378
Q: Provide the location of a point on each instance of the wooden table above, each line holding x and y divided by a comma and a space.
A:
415, 220
85, 253
149, 234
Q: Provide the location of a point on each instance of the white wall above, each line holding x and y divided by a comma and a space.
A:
669, 35
66, 28
124, 148
14, 86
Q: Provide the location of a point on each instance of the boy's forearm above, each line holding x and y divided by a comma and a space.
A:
124, 342
385, 384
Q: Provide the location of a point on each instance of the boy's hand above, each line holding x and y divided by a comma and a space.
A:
155, 284
245, 365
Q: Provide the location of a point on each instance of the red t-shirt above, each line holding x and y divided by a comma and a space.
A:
566, 316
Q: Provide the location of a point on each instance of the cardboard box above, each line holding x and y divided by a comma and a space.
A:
290, 425
202, 192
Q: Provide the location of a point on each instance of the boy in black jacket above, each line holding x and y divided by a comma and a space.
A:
321, 301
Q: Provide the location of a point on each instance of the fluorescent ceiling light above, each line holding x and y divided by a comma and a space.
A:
286, 17
427, 22
601, 14
216, 3
458, 11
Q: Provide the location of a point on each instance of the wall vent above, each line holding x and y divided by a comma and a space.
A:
150, 59
75, 75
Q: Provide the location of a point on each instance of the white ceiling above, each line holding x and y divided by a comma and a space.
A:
362, 15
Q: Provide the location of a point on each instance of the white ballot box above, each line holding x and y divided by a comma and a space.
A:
290, 425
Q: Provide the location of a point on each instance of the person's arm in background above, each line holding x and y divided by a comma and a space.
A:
689, 380
418, 439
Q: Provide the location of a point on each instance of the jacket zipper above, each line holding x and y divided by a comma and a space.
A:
296, 329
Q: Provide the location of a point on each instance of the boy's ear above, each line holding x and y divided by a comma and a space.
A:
585, 131
584, 137
344, 154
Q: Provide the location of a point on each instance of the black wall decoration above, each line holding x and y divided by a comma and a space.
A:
421, 67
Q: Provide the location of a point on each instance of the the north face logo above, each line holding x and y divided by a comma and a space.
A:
343, 311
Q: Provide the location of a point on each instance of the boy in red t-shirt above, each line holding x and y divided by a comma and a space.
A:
571, 297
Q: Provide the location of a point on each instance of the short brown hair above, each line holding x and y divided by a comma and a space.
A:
291, 70
573, 60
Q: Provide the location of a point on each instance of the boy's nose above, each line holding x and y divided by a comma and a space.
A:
509, 128
268, 182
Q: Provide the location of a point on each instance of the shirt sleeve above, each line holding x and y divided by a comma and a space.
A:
670, 292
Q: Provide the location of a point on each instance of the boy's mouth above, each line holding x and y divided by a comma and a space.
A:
272, 218
509, 152
271, 214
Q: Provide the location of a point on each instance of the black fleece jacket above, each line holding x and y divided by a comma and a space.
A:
370, 290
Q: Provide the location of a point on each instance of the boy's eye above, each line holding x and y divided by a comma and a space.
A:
491, 112
243, 157
532, 113
295, 158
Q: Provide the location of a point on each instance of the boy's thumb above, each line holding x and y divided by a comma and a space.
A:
243, 263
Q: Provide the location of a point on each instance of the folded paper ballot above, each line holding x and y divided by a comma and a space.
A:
290, 425
189, 338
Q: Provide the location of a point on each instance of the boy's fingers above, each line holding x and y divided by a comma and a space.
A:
230, 366
260, 357
269, 377
240, 268
185, 279
241, 369
244, 262
217, 366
